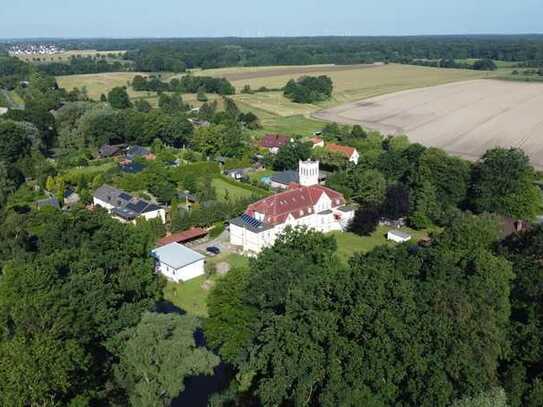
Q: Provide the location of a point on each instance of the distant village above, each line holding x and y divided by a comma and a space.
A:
34, 49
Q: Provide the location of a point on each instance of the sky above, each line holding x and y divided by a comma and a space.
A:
252, 18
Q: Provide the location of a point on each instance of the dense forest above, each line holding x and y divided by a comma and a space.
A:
179, 54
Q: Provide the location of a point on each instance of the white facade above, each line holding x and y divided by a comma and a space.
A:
354, 157
308, 172
398, 237
182, 274
323, 217
306, 204
178, 263
158, 214
103, 204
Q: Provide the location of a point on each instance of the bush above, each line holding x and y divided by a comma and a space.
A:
210, 269
217, 229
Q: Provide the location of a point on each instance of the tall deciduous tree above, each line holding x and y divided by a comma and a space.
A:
503, 182
118, 98
158, 355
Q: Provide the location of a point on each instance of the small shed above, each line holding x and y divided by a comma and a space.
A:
178, 263
51, 202
398, 236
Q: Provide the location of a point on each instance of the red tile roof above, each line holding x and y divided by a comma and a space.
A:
337, 148
181, 237
298, 201
274, 141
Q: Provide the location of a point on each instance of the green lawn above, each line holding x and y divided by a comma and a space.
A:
90, 171
259, 174
190, 296
235, 192
297, 125
349, 243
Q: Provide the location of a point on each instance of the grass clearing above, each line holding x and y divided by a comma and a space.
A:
101, 83
90, 171
291, 125
349, 243
190, 296
349, 84
234, 192
259, 174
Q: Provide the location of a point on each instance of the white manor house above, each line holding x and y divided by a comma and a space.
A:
305, 204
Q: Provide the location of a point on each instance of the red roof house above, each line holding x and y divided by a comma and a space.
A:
349, 152
274, 141
298, 201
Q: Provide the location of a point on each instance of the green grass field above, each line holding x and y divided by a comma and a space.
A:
352, 84
190, 296
101, 83
349, 85
297, 125
235, 192
90, 171
349, 243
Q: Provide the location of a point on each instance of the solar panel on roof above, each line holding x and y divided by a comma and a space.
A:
125, 196
251, 221
138, 206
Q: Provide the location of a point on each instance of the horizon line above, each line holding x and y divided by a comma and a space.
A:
67, 38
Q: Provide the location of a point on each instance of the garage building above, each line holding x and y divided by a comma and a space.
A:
178, 263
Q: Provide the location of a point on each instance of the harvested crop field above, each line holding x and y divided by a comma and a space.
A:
464, 118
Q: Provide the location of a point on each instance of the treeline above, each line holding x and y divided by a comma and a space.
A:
479, 65
85, 65
178, 54
309, 89
427, 186
186, 84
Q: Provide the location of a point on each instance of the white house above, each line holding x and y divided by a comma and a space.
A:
304, 204
126, 208
178, 263
398, 237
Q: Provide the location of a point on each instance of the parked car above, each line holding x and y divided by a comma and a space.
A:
214, 250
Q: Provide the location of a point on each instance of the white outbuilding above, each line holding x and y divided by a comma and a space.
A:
178, 263
398, 236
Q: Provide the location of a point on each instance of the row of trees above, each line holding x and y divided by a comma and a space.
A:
485, 64
87, 65
186, 84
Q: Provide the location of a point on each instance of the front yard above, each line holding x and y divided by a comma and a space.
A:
349, 243
191, 296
